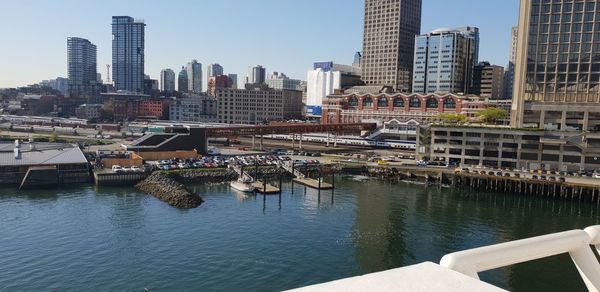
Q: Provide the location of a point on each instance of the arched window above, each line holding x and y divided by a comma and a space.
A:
367, 102
415, 102
399, 102
449, 103
432, 103
382, 102
353, 101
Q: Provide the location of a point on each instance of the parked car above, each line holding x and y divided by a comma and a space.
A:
117, 169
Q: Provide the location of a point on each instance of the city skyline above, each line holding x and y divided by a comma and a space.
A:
309, 43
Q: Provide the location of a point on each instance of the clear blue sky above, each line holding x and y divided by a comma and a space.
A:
282, 35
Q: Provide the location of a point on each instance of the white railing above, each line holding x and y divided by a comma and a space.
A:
575, 242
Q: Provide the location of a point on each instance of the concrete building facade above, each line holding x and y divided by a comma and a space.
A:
389, 34
194, 109
257, 105
557, 72
488, 81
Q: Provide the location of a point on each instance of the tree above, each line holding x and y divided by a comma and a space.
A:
53, 137
491, 115
452, 118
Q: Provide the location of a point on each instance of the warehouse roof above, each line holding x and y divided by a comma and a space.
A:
40, 154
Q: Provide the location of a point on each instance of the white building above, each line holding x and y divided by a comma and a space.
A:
320, 84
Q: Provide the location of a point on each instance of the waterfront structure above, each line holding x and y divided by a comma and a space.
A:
324, 80
504, 147
167, 81
257, 105
557, 72
383, 107
488, 81
256, 75
444, 60
128, 38
509, 74
90, 112
234, 80
389, 34
196, 109
218, 81
182, 81
194, 75
281, 81
36, 163
81, 58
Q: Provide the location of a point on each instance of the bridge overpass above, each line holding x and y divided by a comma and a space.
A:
190, 138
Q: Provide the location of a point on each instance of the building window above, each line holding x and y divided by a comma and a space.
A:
382, 102
353, 101
415, 102
368, 102
432, 103
449, 103
399, 102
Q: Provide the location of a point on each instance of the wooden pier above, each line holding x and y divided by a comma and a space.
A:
266, 189
313, 183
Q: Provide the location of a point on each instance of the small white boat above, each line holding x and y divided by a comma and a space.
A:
242, 186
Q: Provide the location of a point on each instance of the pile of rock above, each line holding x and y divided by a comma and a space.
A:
167, 189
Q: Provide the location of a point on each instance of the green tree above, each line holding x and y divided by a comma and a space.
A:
491, 114
452, 118
53, 137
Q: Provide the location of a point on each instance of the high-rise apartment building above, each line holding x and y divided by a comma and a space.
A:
557, 72
194, 74
509, 74
182, 81
256, 75
81, 58
167, 80
128, 36
281, 81
444, 60
488, 81
390, 27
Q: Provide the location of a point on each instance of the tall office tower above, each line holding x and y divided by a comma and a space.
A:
390, 28
128, 53
194, 74
444, 60
234, 80
81, 56
214, 70
256, 75
509, 71
182, 81
557, 70
357, 60
167, 80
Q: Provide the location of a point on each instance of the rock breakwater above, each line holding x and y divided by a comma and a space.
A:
167, 189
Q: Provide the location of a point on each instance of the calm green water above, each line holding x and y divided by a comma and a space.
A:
117, 239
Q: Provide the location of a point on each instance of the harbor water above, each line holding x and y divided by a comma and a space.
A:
118, 239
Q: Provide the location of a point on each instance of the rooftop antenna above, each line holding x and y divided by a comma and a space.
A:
108, 74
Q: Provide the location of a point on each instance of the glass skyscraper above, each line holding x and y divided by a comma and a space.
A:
194, 74
128, 53
167, 80
557, 74
81, 66
444, 60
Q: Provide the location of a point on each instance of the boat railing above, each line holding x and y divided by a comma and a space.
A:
577, 243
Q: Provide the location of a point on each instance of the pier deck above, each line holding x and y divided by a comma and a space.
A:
260, 188
313, 183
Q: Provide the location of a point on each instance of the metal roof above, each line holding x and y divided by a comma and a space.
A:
41, 154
